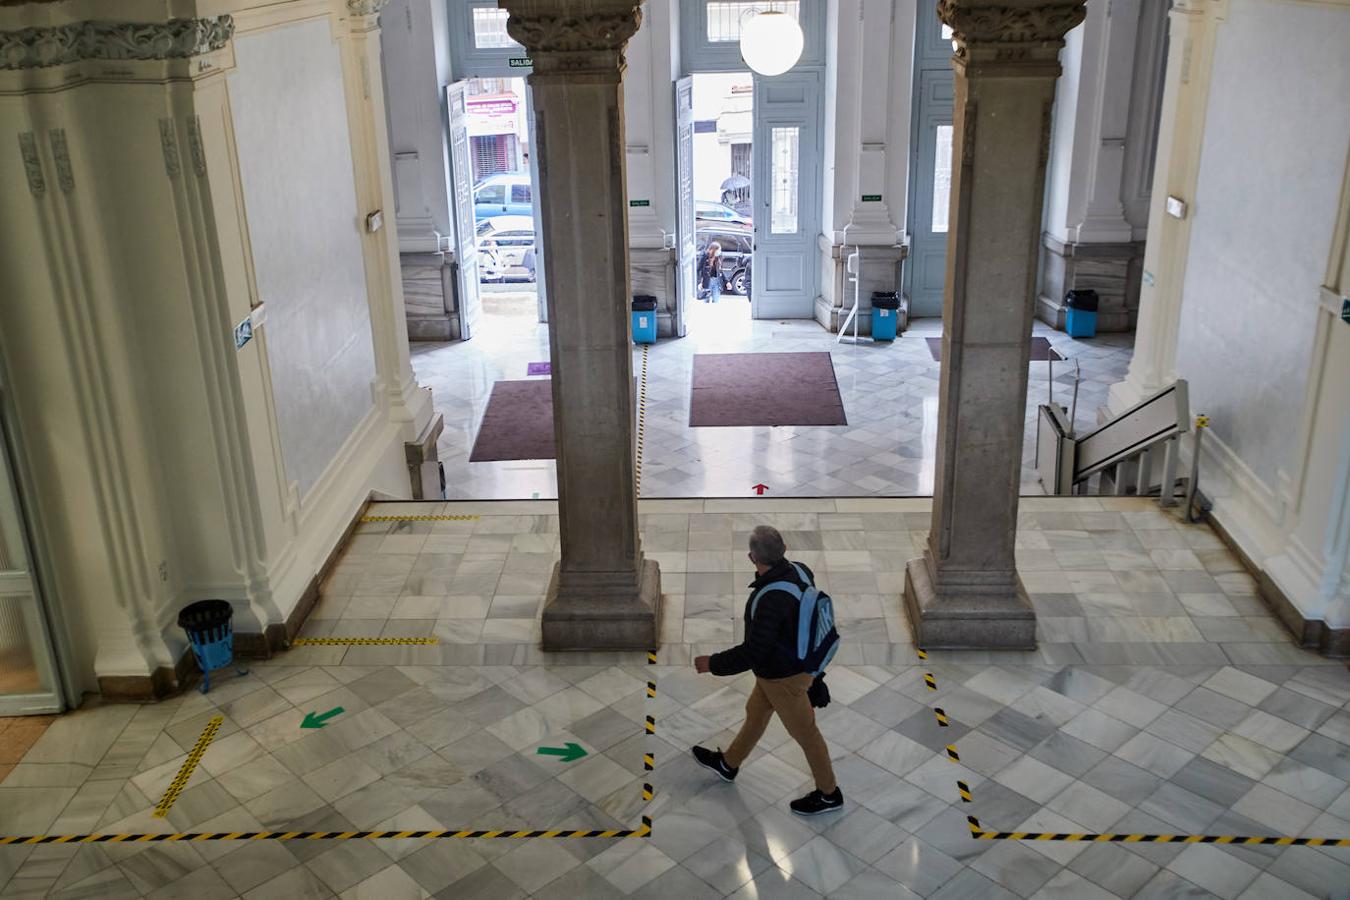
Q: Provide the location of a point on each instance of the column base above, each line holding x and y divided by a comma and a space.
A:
581, 619
983, 621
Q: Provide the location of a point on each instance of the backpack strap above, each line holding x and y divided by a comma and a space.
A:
786, 587
801, 573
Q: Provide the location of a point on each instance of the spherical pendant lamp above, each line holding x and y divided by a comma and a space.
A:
771, 43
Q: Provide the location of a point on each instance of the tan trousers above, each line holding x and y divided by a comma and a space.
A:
787, 697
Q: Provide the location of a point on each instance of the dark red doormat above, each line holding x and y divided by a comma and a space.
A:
518, 423
738, 389
1040, 349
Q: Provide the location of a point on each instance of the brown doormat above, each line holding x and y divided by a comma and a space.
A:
1040, 349
518, 423
737, 389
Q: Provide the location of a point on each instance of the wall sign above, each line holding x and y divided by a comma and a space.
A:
1345, 309
871, 198
243, 333
520, 62
639, 203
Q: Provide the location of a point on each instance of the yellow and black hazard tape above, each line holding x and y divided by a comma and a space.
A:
923, 654
929, 681
362, 641
952, 754
641, 423
419, 518
979, 833
651, 689
941, 716
964, 790
651, 725
189, 766
642, 831
648, 761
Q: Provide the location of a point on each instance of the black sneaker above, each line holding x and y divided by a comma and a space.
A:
815, 803
712, 759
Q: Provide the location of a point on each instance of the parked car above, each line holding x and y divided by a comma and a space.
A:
738, 244
708, 214
509, 241
503, 194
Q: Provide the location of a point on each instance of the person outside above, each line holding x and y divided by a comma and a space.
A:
782, 685
710, 272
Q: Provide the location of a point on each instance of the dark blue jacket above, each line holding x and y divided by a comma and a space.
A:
770, 645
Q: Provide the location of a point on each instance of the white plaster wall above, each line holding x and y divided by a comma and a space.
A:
1274, 148
295, 163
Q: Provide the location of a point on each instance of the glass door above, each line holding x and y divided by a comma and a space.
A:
28, 682
786, 194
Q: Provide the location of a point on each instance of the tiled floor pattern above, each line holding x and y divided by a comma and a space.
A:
17, 735
889, 392
1162, 699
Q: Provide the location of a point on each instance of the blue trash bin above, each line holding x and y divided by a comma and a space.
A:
644, 320
1080, 314
211, 634
885, 315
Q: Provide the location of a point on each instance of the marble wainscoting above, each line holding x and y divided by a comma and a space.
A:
880, 268
1112, 270
653, 274
429, 296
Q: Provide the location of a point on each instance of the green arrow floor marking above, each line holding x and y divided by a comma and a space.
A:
569, 753
318, 720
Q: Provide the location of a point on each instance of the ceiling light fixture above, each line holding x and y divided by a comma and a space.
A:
771, 42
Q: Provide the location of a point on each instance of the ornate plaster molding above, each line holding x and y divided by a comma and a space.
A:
562, 39
366, 7
37, 48
32, 165
65, 174
168, 141
194, 134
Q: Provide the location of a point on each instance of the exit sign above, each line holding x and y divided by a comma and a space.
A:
1345, 309
871, 198
520, 62
639, 203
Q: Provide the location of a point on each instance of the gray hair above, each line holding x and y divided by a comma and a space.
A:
766, 545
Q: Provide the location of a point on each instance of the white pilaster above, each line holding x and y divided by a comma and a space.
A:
1180, 138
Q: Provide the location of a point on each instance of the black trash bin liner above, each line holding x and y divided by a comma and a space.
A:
643, 303
205, 617
885, 300
1085, 299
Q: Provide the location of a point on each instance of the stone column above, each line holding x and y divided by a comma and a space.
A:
964, 592
603, 594
1180, 139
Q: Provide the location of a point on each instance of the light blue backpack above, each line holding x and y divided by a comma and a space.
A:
817, 638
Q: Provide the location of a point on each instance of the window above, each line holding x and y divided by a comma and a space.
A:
783, 184
491, 193
489, 29
520, 193
725, 16
942, 178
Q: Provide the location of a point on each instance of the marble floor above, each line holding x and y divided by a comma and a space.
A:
889, 393
1163, 698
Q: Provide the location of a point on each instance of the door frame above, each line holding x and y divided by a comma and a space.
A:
932, 64
686, 225
54, 665
806, 116
469, 288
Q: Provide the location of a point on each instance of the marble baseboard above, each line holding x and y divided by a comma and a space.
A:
429, 296
1112, 270
652, 272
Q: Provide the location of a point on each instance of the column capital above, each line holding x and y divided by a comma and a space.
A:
574, 37
1010, 34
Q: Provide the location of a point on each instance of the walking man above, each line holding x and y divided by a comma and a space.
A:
783, 683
